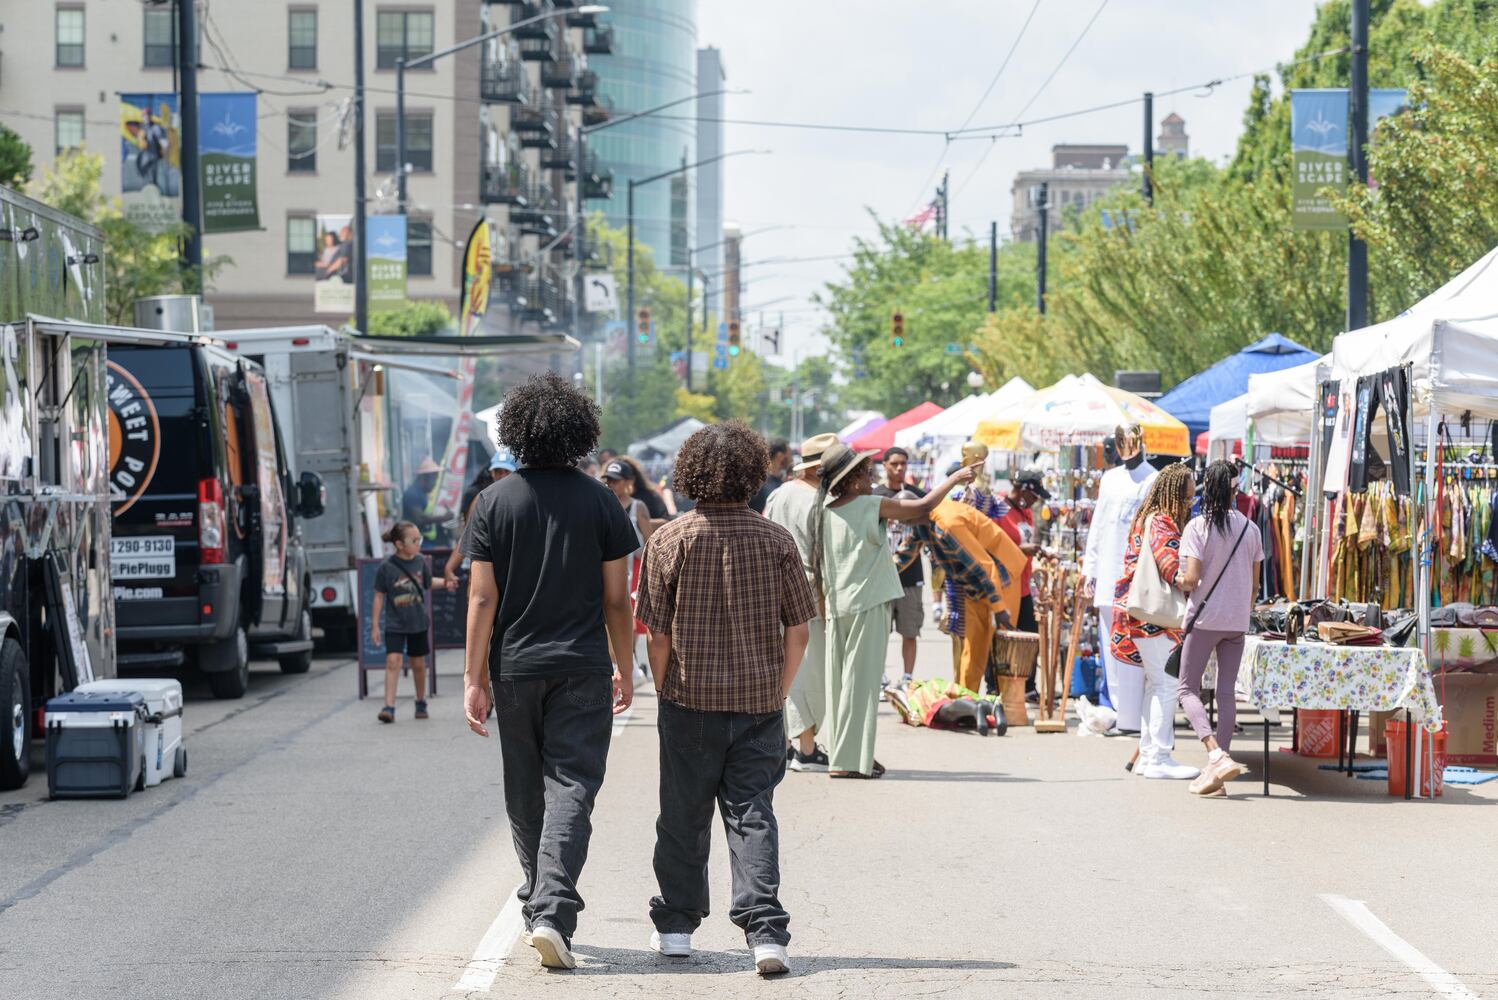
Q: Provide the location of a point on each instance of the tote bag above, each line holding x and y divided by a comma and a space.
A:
1150, 598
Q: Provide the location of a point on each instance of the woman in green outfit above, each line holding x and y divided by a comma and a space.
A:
856, 579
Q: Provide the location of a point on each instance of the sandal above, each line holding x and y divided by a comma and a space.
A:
387, 714
421, 710
878, 769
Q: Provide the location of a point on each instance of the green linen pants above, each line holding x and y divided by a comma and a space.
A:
806, 707
856, 645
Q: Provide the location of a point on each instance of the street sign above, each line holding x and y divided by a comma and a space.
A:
954, 348
601, 293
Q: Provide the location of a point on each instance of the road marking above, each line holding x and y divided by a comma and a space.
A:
494, 948
622, 719
1356, 912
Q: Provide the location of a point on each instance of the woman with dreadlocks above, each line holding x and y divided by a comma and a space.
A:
856, 579
1220, 555
1154, 534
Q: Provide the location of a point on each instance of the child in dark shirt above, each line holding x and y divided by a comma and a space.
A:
401, 586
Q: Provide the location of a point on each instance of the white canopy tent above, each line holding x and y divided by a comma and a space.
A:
1282, 404
959, 422
1228, 423
667, 442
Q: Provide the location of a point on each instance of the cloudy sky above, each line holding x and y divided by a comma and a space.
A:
924, 64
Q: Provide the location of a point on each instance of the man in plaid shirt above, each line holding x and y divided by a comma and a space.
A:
725, 598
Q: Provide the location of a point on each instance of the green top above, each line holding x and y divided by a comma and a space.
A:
858, 572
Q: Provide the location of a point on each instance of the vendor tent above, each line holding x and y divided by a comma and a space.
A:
1228, 423
1282, 404
861, 423
882, 436
667, 441
1191, 401
959, 422
1082, 410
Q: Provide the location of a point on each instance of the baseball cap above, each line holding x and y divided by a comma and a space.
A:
618, 470
503, 459
1032, 479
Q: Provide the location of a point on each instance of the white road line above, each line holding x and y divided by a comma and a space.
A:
622, 719
1356, 912
494, 949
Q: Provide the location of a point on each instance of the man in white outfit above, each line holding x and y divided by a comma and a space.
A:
1120, 492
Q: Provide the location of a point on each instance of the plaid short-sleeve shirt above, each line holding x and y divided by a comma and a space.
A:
723, 583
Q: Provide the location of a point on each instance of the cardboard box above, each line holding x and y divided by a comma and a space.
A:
1470, 707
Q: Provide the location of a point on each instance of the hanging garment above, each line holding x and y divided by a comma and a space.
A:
1394, 388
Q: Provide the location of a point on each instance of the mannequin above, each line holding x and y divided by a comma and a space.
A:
1120, 492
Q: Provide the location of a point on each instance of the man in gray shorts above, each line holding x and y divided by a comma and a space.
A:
906, 612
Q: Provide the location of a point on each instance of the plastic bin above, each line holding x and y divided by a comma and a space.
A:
1394, 734
95, 744
1320, 732
166, 756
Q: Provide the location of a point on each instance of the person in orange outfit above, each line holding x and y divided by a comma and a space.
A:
987, 565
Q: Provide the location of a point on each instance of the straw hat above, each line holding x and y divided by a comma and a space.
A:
812, 450
427, 465
839, 460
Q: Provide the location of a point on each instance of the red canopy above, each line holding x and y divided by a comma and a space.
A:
883, 436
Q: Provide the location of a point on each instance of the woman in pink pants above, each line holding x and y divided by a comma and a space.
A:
1220, 555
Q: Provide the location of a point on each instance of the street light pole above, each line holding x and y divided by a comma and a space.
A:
361, 279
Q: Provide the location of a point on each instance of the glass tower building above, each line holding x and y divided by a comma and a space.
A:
654, 61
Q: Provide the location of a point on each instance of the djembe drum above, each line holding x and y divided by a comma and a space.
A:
1015, 653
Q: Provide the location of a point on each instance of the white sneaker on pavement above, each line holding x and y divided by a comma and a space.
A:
552, 948
771, 959
671, 945
1169, 769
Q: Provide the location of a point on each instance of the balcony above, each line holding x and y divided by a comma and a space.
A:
540, 298
537, 127
504, 3
538, 215
504, 82
599, 110
505, 184
563, 153
599, 41
577, 19
597, 180
584, 88
539, 49
546, 29
562, 72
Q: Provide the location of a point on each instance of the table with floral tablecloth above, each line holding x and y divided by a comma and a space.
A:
1319, 675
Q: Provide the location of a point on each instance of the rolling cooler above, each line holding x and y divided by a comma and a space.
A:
95, 745
166, 756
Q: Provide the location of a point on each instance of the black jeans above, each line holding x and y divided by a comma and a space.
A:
736, 759
554, 739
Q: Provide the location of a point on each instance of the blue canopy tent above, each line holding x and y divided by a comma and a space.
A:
1191, 401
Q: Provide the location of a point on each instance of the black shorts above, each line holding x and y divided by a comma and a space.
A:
410, 643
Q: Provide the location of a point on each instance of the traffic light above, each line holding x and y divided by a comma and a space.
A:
897, 329
734, 340
643, 326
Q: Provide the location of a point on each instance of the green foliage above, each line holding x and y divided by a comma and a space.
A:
137, 263
15, 159
414, 318
634, 407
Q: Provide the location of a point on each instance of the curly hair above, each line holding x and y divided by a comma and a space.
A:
547, 423
1171, 494
722, 463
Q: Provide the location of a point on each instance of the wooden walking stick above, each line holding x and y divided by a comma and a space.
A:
1058, 723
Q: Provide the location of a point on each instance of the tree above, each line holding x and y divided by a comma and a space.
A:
636, 406
137, 263
414, 318
15, 159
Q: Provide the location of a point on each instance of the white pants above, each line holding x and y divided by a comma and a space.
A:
1125, 685
1157, 733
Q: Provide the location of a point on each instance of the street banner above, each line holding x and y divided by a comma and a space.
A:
151, 160
385, 249
478, 272
333, 270
226, 162
1318, 144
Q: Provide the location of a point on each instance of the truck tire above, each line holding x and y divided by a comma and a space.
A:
15, 716
299, 663
227, 665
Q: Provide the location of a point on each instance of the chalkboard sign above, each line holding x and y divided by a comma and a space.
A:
372, 647
449, 608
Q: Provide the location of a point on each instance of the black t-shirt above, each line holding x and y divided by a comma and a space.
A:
548, 532
772, 483
655, 505
899, 531
404, 582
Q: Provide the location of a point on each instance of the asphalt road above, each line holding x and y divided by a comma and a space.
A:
311, 852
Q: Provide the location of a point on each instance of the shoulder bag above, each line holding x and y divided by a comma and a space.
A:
1173, 663
1151, 598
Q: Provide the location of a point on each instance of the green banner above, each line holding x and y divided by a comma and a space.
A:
1318, 143
385, 248
226, 151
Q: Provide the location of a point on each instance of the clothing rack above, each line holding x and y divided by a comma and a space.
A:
1292, 490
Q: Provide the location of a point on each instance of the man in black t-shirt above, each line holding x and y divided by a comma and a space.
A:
906, 612
548, 599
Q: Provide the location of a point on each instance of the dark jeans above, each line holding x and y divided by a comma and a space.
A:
554, 739
736, 759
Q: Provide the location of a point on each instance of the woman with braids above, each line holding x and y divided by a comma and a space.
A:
1155, 533
1220, 582
856, 580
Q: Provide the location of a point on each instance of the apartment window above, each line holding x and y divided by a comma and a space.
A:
418, 141
160, 32
418, 247
301, 244
69, 122
301, 141
69, 36
403, 34
301, 50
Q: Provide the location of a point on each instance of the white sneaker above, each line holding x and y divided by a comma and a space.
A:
671, 945
771, 959
1168, 769
552, 948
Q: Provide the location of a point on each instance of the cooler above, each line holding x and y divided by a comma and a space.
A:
166, 756
95, 744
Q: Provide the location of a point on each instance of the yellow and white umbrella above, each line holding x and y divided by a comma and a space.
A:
1082, 410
